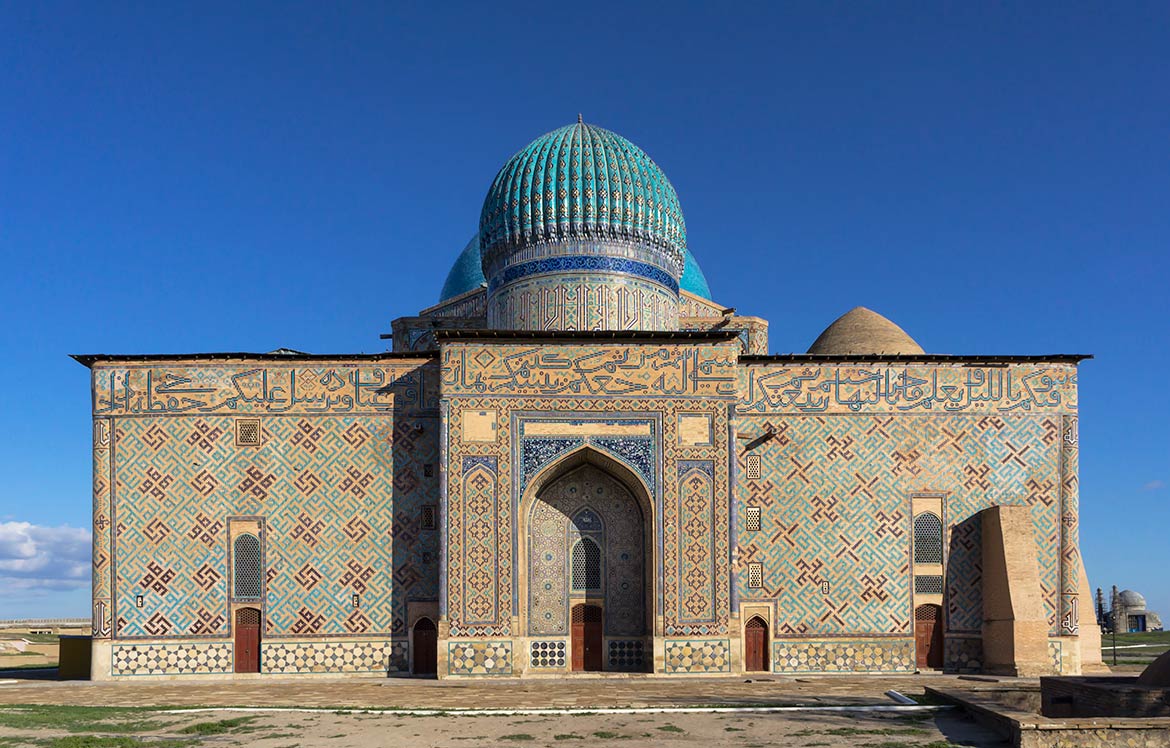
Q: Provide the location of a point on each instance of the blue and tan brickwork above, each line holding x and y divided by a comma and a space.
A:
576, 459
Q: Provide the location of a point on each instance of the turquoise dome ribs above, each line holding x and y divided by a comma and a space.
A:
466, 274
581, 183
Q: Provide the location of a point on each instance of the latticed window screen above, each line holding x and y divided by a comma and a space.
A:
248, 617
927, 613
428, 517
586, 565
751, 519
928, 584
928, 539
753, 467
248, 432
246, 560
755, 575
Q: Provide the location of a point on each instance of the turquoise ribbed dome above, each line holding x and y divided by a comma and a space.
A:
467, 274
582, 182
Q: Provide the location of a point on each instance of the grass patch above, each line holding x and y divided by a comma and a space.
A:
606, 735
216, 728
97, 741
732, 729
670, 728
568, 736
517, 736
881, 731
81, 718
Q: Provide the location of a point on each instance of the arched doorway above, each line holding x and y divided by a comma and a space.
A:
425, 646
247, 640
928, 636
588, 552
588, 638
755, 645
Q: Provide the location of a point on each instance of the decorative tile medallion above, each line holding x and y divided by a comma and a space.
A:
548, 654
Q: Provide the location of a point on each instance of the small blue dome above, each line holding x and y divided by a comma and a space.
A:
693, 279
582, 182
466, 274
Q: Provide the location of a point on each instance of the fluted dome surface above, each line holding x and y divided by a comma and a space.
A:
582, 182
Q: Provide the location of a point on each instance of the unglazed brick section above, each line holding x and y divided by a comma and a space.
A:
334, 657
801, 388
834, 492
189, 658
590, 370
698, 656
888, 655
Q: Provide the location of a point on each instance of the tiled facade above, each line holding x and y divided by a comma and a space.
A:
580, 395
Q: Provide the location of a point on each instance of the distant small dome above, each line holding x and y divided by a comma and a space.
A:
466, 274
693, 279
1131, 599
862, 332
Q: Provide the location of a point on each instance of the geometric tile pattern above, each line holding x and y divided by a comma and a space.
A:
479, 658
333, 657
103, 561
172, 659
548, 654
1055, 654
698, 656
341, 495
627, 655
583, 301
963, 655
834, 492
863, 656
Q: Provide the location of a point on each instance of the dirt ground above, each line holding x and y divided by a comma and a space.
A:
127, 728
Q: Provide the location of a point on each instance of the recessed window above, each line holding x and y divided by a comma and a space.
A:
247, 432
751, 519
753, 467
246, 566
428, 517
586, 565
755, 575
928, 539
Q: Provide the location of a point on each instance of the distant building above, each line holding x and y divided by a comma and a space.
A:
579, 460
1128, 614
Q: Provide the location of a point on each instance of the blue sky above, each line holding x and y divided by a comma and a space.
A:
225, 178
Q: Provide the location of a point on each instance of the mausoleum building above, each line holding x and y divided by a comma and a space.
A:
577, 461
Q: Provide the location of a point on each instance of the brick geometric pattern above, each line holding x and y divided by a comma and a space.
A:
172, 659
835, 494
863, 656
334, 657
698, 656
341, 496
479, 658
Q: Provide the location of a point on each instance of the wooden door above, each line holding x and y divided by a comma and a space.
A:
928, 636
247, 644
755, 645
426, 647
588, 639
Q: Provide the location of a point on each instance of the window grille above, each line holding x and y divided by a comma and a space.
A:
928, 584
247, 617
751, 519
928, 539
586, 565
927, 613
428, 517
247, 566
753, 467
755, 575
247, 432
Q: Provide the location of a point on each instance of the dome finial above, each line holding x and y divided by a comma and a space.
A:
579, 119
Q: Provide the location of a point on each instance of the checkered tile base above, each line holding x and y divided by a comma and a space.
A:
888, 655
172, 659
698, 656
334, 657
479, 658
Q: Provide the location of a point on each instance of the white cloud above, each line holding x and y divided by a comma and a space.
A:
1154, 485
36, 559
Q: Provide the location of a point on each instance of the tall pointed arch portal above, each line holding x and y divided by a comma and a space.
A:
588, 555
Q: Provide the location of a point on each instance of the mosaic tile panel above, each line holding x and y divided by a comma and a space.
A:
188, 658
103, 560
696, 562
550, 533
583, 301
626, 655
834, 492
698, 656
1056, 655
963, 654
1070, 559
340, 495
479, 658
334, 657
478, 538
861, 656
549, 653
